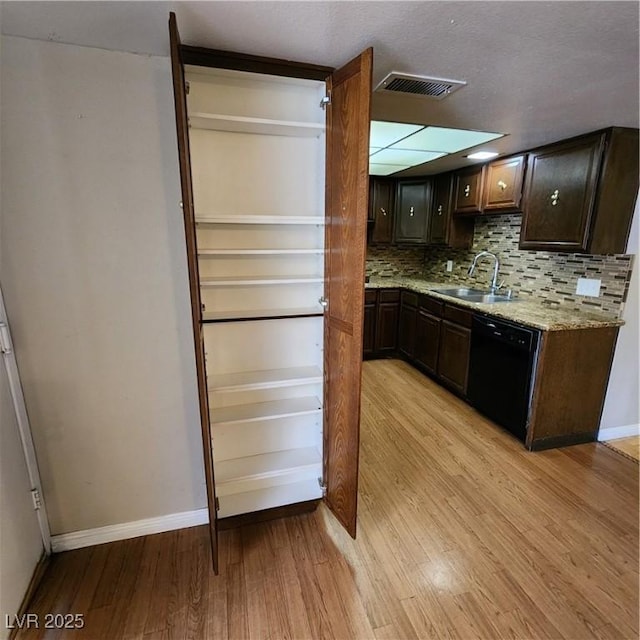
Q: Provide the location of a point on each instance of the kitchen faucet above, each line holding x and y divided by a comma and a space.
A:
493, 286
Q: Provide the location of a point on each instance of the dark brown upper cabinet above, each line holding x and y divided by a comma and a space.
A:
579, 194
413, 204
467, 190
503, 185
381, 201
445, 229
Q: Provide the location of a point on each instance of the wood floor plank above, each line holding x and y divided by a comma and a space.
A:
462, 533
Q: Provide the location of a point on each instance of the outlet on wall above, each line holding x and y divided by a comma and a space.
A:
449, 265
588, 287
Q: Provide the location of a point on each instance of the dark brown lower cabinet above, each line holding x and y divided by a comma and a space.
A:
407, 324
386, 331
369, 330
427, 340
453, 356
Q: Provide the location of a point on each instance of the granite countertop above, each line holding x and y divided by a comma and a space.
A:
529, 311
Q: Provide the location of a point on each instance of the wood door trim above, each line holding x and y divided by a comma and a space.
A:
219, 59
182, 132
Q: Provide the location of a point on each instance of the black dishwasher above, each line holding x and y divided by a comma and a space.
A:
501, 367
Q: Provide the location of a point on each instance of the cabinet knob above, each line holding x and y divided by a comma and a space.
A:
382, 211
467, 190
439, 209
411, 210
502, 185
555, 196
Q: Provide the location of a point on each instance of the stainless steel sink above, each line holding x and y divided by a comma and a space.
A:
475, 295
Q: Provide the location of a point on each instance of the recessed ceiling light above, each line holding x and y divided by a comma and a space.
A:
482, 155
404, 156
385, 133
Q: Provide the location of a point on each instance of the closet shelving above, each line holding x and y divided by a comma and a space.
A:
257, 157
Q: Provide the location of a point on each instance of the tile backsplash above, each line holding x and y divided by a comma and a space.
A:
551, 276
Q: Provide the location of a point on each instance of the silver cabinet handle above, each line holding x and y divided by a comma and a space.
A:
467, 190
411, 210
555, 196
439, 209
502, 185
382, 211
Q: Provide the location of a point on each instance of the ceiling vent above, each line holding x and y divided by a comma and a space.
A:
419, 86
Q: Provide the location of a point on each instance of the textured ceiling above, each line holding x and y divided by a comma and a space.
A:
539, 71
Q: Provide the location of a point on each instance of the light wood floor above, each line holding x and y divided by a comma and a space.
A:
461, 534
629, 446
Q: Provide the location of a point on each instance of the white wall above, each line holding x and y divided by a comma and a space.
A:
621, 406
93, 268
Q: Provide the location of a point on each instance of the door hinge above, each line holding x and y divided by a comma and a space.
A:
324, 303
35, 496
5, 340
325, 101
323, 486
217, 504
187, 87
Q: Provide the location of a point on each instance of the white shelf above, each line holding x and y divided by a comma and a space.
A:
245, 281
212, 253
272, 410
268, 379
246, 124
267, 498
206, 219
259, 314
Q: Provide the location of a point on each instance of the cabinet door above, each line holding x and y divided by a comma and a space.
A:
441, 209
467, 190
347, 190
369, 330
427, 340
182, 127
387, 327
412, 212
560, 190
503, 185
407, 331
382, 195
453, 358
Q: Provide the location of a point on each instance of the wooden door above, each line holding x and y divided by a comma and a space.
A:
503, 185
387, 321
560, 193
467, 190
347, 189
427, 340
453, 356
182, 129
381, 210
441, 210
412, 212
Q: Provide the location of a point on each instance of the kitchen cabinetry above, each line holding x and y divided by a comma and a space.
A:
467, 190
428, 325
369, 324
579, 194
274, 416
445, 229
382, 311
455, 343
407, 324
413, 204
503, 185
381, 210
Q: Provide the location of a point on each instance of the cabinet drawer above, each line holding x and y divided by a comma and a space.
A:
409, 299
370, 296
458, 315
431, 305
389, 295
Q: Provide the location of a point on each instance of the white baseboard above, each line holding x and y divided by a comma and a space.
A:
613, 433
111, 533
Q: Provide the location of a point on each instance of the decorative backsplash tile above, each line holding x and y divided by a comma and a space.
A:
551, 276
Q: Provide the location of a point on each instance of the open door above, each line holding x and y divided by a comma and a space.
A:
347, 176
182, 128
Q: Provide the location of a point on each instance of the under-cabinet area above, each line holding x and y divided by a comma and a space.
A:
541, 374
